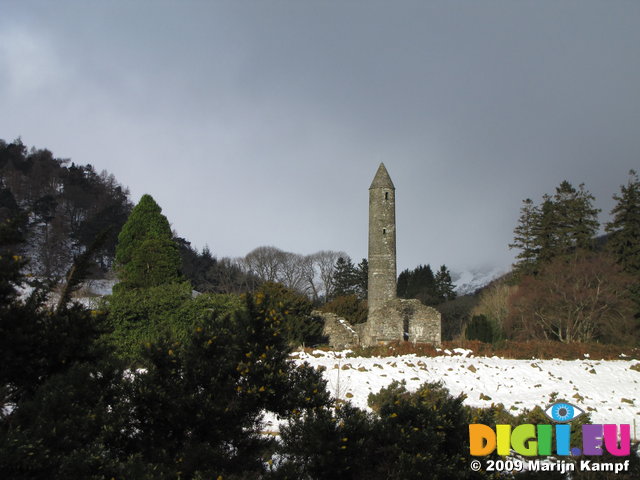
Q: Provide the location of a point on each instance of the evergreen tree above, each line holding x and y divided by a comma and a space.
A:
575, 218
198, 405
563, 223
445, 289
624, 233
350, 291
525, 236
402, 285
145, 303
12, 225
146, 255
69, 206
624, 228
349, 279
362, 279
299, 326
546, 235
479, 328
418, 283
345, 277
349, 307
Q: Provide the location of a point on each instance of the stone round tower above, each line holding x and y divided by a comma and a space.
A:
382, 240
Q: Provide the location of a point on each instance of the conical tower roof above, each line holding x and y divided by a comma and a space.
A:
382, 179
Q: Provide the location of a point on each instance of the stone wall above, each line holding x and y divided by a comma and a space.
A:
402, 319
339, 332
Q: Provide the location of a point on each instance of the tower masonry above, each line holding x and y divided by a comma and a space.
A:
382, 240
390, 318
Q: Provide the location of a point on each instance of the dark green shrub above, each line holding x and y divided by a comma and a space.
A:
145, 315
299, 326
480, 328
349, 307
421, 435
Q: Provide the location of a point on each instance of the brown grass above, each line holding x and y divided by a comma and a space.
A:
506, 349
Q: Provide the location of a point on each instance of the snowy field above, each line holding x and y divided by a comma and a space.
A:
609, 390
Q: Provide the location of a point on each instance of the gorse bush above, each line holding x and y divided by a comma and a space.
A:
145, 315
349, 307
299, 326
71, 410
422, 435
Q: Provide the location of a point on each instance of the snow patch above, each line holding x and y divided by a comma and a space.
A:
487, 380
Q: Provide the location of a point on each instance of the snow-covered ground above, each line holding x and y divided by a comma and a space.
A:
89, 294
609, 390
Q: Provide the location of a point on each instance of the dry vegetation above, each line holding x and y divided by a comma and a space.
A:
506, 349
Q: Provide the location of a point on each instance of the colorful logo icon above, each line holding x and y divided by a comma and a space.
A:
562, 412
534, 440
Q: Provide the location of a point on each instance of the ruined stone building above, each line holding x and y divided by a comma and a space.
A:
389, 318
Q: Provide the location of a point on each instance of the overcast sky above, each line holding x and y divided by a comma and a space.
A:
263, 122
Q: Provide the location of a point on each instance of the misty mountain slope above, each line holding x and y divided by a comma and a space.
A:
469, 281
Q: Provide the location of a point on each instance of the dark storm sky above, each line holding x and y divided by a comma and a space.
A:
263, 122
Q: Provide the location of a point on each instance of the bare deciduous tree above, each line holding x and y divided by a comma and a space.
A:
576, 298
494, 304
324, 263
295, 271
309, 274
265, 262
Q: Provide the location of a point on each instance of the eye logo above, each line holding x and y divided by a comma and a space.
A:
562, 412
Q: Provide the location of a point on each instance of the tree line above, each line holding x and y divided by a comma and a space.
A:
569, 284
64, 207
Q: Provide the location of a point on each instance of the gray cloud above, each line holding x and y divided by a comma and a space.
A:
259, 123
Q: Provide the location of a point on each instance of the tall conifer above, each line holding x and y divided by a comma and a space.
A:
624, 228
146, 255
145, 303
561, 224
525, 235
445, 288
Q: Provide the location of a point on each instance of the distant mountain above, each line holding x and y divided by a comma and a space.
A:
469, 282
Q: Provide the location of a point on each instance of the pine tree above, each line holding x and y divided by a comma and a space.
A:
445, 289
624, 233
563, 223
546, 234
345, 277
418, 283
362, 279
525, 236
624, 228
576, 220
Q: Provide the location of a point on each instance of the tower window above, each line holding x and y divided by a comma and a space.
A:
386, 195
384, 231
